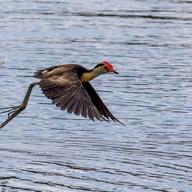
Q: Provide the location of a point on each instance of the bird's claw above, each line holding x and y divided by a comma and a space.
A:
8, 109
12, 112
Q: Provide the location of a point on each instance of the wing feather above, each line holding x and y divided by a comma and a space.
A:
98, 103
67, 92
72, 105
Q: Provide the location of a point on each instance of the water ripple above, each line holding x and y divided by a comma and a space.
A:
149, 42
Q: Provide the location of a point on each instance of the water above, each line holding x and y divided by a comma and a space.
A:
150, 43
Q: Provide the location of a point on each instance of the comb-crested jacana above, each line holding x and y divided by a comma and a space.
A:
68, 87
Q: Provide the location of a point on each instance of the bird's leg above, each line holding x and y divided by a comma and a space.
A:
14, 111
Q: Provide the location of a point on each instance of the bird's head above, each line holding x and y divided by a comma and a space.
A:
99, 69
104, 67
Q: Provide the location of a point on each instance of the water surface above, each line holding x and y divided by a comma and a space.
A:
150, 43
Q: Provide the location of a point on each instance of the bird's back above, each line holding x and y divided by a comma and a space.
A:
59, 70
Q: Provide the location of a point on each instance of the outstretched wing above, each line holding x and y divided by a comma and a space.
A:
68, 93
101, 107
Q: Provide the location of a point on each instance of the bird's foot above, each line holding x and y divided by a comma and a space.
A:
8, 109
12, 112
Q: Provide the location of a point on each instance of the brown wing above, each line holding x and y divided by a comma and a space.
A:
102, 108
68, 93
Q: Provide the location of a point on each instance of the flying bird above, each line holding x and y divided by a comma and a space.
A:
69, 89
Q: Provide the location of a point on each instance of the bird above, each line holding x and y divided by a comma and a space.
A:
69, 88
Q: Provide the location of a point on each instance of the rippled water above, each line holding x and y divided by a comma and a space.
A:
150, 43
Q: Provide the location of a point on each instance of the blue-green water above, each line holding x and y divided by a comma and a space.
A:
150, 43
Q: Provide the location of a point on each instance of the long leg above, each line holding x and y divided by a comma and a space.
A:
14, 111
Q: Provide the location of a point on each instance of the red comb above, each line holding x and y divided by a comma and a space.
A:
108, 65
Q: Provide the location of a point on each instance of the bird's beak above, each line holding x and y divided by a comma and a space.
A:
115, 72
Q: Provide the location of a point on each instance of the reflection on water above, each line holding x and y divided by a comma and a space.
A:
149, 42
